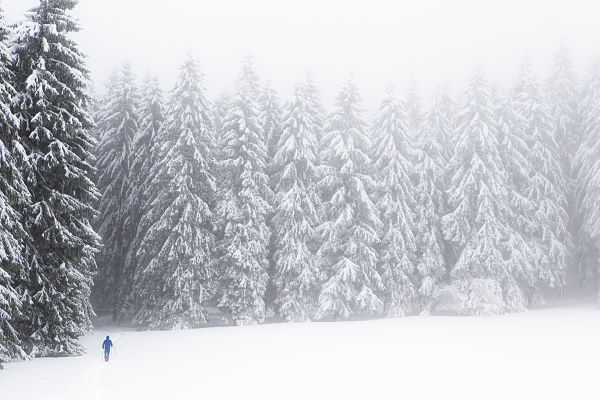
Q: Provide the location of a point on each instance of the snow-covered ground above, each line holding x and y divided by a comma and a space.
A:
544, 354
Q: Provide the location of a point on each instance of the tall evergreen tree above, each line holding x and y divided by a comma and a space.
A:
146, 147
243, 208
397, 249
270, 120
118, 127
478, 200
349, 217
563, 95
587, 178
172, 285
296, 211
434, 150
51, 104
523, 252
546, 187
14, 197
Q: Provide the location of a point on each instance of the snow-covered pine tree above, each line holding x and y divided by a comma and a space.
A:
14, 197
546, 188
172, 282
522, 249
118, 126
434, 150
393, 155
350, 220
563, 93
51, 104
478, 200
243, 208
99, 299
146, 147
587, 180
296, 211
270, 119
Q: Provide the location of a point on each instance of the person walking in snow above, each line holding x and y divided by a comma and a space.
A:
106, 345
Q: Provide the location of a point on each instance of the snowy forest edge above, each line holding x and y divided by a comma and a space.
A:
158, 208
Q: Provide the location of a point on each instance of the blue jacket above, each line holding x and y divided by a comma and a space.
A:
107, 345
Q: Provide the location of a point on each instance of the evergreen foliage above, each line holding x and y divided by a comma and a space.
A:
397, 248
171, 284
350, 220
478, 202
296, 210
51, 104
14, 197
146, 147
546, 189
119, 124
243, 207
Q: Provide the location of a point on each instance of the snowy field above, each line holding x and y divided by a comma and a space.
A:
544, 354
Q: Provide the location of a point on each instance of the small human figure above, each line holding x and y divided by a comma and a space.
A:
106, 345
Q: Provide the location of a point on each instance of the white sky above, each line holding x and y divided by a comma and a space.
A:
375, 40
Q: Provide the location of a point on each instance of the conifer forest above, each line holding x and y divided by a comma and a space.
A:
177, 208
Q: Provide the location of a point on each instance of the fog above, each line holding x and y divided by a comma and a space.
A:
145, 216
378, 42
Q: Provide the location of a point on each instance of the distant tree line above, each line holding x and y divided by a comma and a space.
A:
485, 203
